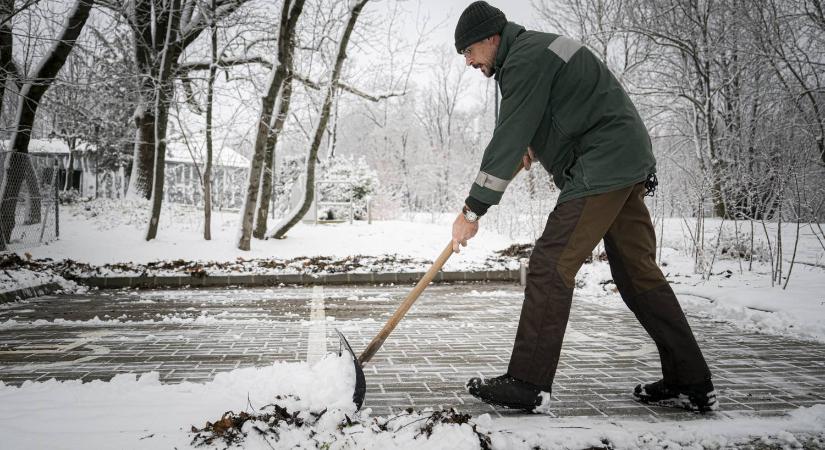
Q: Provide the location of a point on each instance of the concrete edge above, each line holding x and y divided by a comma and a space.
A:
179, 281
29, 292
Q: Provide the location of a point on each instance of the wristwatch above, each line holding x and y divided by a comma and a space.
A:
469, 215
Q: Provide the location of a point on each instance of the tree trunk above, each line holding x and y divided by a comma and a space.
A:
289, 17
6, 47
140, 180
207, 171
32, 92
269, 159
164, 94
143, 156
19, 169
256, 165
67, 183
322, 122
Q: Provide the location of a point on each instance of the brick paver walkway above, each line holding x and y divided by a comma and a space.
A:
452, 333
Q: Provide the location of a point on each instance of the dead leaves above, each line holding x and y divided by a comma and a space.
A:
229, 429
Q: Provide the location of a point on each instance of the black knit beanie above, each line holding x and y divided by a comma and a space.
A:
480, 20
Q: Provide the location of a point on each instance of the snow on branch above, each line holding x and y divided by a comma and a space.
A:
224, 62
231, 62
197, 21
347, 88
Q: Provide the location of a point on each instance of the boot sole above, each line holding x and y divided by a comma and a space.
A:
681, 402
528, 409
521, 406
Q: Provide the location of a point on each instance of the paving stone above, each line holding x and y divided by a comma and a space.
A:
425, 362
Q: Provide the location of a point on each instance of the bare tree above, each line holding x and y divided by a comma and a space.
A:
689, 33
149, 20
290, 13
8, 70
267, 174
793, 49
31, 92
206, 181
320, 129
438, 116
599, 25
162, 98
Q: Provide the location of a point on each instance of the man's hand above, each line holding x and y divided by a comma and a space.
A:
528, 158
462, 231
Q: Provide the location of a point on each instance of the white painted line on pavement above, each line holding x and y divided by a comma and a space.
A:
317, 345
640, 346
83, 340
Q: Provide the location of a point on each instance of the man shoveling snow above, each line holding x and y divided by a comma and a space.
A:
561, 105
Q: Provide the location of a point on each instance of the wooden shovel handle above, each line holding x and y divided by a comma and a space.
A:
379, 339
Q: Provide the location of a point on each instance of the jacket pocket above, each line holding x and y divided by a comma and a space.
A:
574, 169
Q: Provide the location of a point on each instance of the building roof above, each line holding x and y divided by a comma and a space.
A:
54, 146
175, 152
179, 152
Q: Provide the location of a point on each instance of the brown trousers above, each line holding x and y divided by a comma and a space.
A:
573, 230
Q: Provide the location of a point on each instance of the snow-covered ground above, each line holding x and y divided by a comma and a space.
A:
130, 412
113, 232
317, 412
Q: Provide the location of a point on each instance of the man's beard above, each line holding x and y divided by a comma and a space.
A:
486, 70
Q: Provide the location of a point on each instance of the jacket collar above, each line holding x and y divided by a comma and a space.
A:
508, 36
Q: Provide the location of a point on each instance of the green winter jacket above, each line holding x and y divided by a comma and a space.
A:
561, 100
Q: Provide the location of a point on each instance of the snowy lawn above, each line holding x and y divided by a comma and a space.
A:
113, 232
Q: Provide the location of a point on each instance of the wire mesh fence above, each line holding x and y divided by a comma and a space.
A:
28, 200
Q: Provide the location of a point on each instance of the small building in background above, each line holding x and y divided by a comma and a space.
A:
78, 168
183, 176
79, 171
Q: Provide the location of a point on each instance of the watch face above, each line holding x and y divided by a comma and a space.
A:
470, 216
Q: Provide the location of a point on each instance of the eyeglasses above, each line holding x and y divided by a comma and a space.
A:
466, 52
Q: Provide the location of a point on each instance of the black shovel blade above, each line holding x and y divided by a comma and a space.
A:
360, 381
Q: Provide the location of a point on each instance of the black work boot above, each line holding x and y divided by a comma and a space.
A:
508, 392
699, 397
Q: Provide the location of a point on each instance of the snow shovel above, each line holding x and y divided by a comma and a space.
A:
378, 340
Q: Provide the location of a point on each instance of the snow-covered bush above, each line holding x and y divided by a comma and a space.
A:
287, 173
357, 180
69, 197
735, 247
351, 178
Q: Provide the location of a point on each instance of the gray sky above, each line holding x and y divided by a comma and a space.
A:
519, 11
446, 13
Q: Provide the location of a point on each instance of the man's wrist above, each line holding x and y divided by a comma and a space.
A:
476, 206
469, 215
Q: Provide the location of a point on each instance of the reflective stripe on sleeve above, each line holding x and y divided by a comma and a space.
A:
491, 182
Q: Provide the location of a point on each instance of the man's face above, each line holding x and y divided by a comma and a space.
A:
482, 55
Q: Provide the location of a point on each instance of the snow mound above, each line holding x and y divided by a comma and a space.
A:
131, 411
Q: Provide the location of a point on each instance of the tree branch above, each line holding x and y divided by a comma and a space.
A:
223, 63
347, 88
